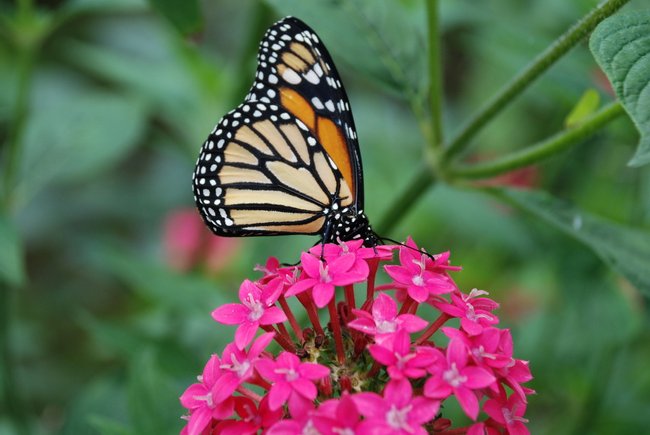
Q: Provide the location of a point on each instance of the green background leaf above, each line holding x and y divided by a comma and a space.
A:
11, 255
185, 15
621, 46
627, 250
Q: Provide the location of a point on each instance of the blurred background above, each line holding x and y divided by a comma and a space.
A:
106, 319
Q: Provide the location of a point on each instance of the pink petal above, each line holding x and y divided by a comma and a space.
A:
211, 371
468, 401
247, 289
341, 264
272, 315
370, 404
382, 355
402, 342
310, 264
199, 420
477, 377
346, 412
224, 387
313, 371
266, 367
272, 291
188, 397
420, 294
231, 314
493, 408
457, 353
364, 325
301, 286
260, 344
278, 395
398, 392
399, 274
384, 307
245, 334
285, 427
224, 409
423, 410
305, 388
322, 294
436, 388
299, 406
412, 323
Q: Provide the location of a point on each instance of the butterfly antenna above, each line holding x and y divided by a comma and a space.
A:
421, 251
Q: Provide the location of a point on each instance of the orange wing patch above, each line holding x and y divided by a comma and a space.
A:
328, 133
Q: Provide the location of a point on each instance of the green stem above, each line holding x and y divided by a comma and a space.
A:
541, 150
423, 179
529, 74
435, 75
11, 154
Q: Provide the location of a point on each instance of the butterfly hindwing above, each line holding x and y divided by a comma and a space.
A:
262, 172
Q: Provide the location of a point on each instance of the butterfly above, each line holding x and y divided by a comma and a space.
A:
286, 160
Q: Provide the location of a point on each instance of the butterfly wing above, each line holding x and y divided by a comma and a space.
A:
287, 158
296, 71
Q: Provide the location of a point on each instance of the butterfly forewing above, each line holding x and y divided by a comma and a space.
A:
296, 71
285, 161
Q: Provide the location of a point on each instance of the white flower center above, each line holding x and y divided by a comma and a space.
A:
398, 418
510, 417
453, 377
310, 429
289, 374
324, 273
256, 307
240, 368
386, 326
418, 280
207, 399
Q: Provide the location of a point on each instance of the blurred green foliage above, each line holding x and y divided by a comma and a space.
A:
104, 105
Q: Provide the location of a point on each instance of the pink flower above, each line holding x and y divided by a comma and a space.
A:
397, 412
237, 366
413, 275
324, 276
384, 321
400, 361
515, 374
292, 381
453, 375
338, 416
188, 243
485, 348
475, 312
482, 429
508, 412
257, 308
251, 418
203, 406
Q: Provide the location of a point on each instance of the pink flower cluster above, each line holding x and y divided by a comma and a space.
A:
376, 368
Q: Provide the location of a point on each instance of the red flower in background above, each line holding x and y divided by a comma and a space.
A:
188, 243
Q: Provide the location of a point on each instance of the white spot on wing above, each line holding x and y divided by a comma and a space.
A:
291, 77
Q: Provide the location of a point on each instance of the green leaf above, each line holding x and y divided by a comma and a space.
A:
627, 250
584, 108
77, 138
621, 46
185, 15
12, 269
382, 40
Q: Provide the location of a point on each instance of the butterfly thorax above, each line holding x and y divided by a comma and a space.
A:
348, 224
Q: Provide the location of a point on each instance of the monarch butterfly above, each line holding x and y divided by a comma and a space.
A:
286, 160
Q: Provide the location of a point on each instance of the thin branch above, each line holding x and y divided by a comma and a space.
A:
541, 150
435, 74
529, 74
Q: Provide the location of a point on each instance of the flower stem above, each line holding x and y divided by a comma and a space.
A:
280, 338
529, 74
408, 303
307, 302
250, 394
541, 150
433, 328
373, 265
435, 75
349, 296
292, 319
418, 186
336, 331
